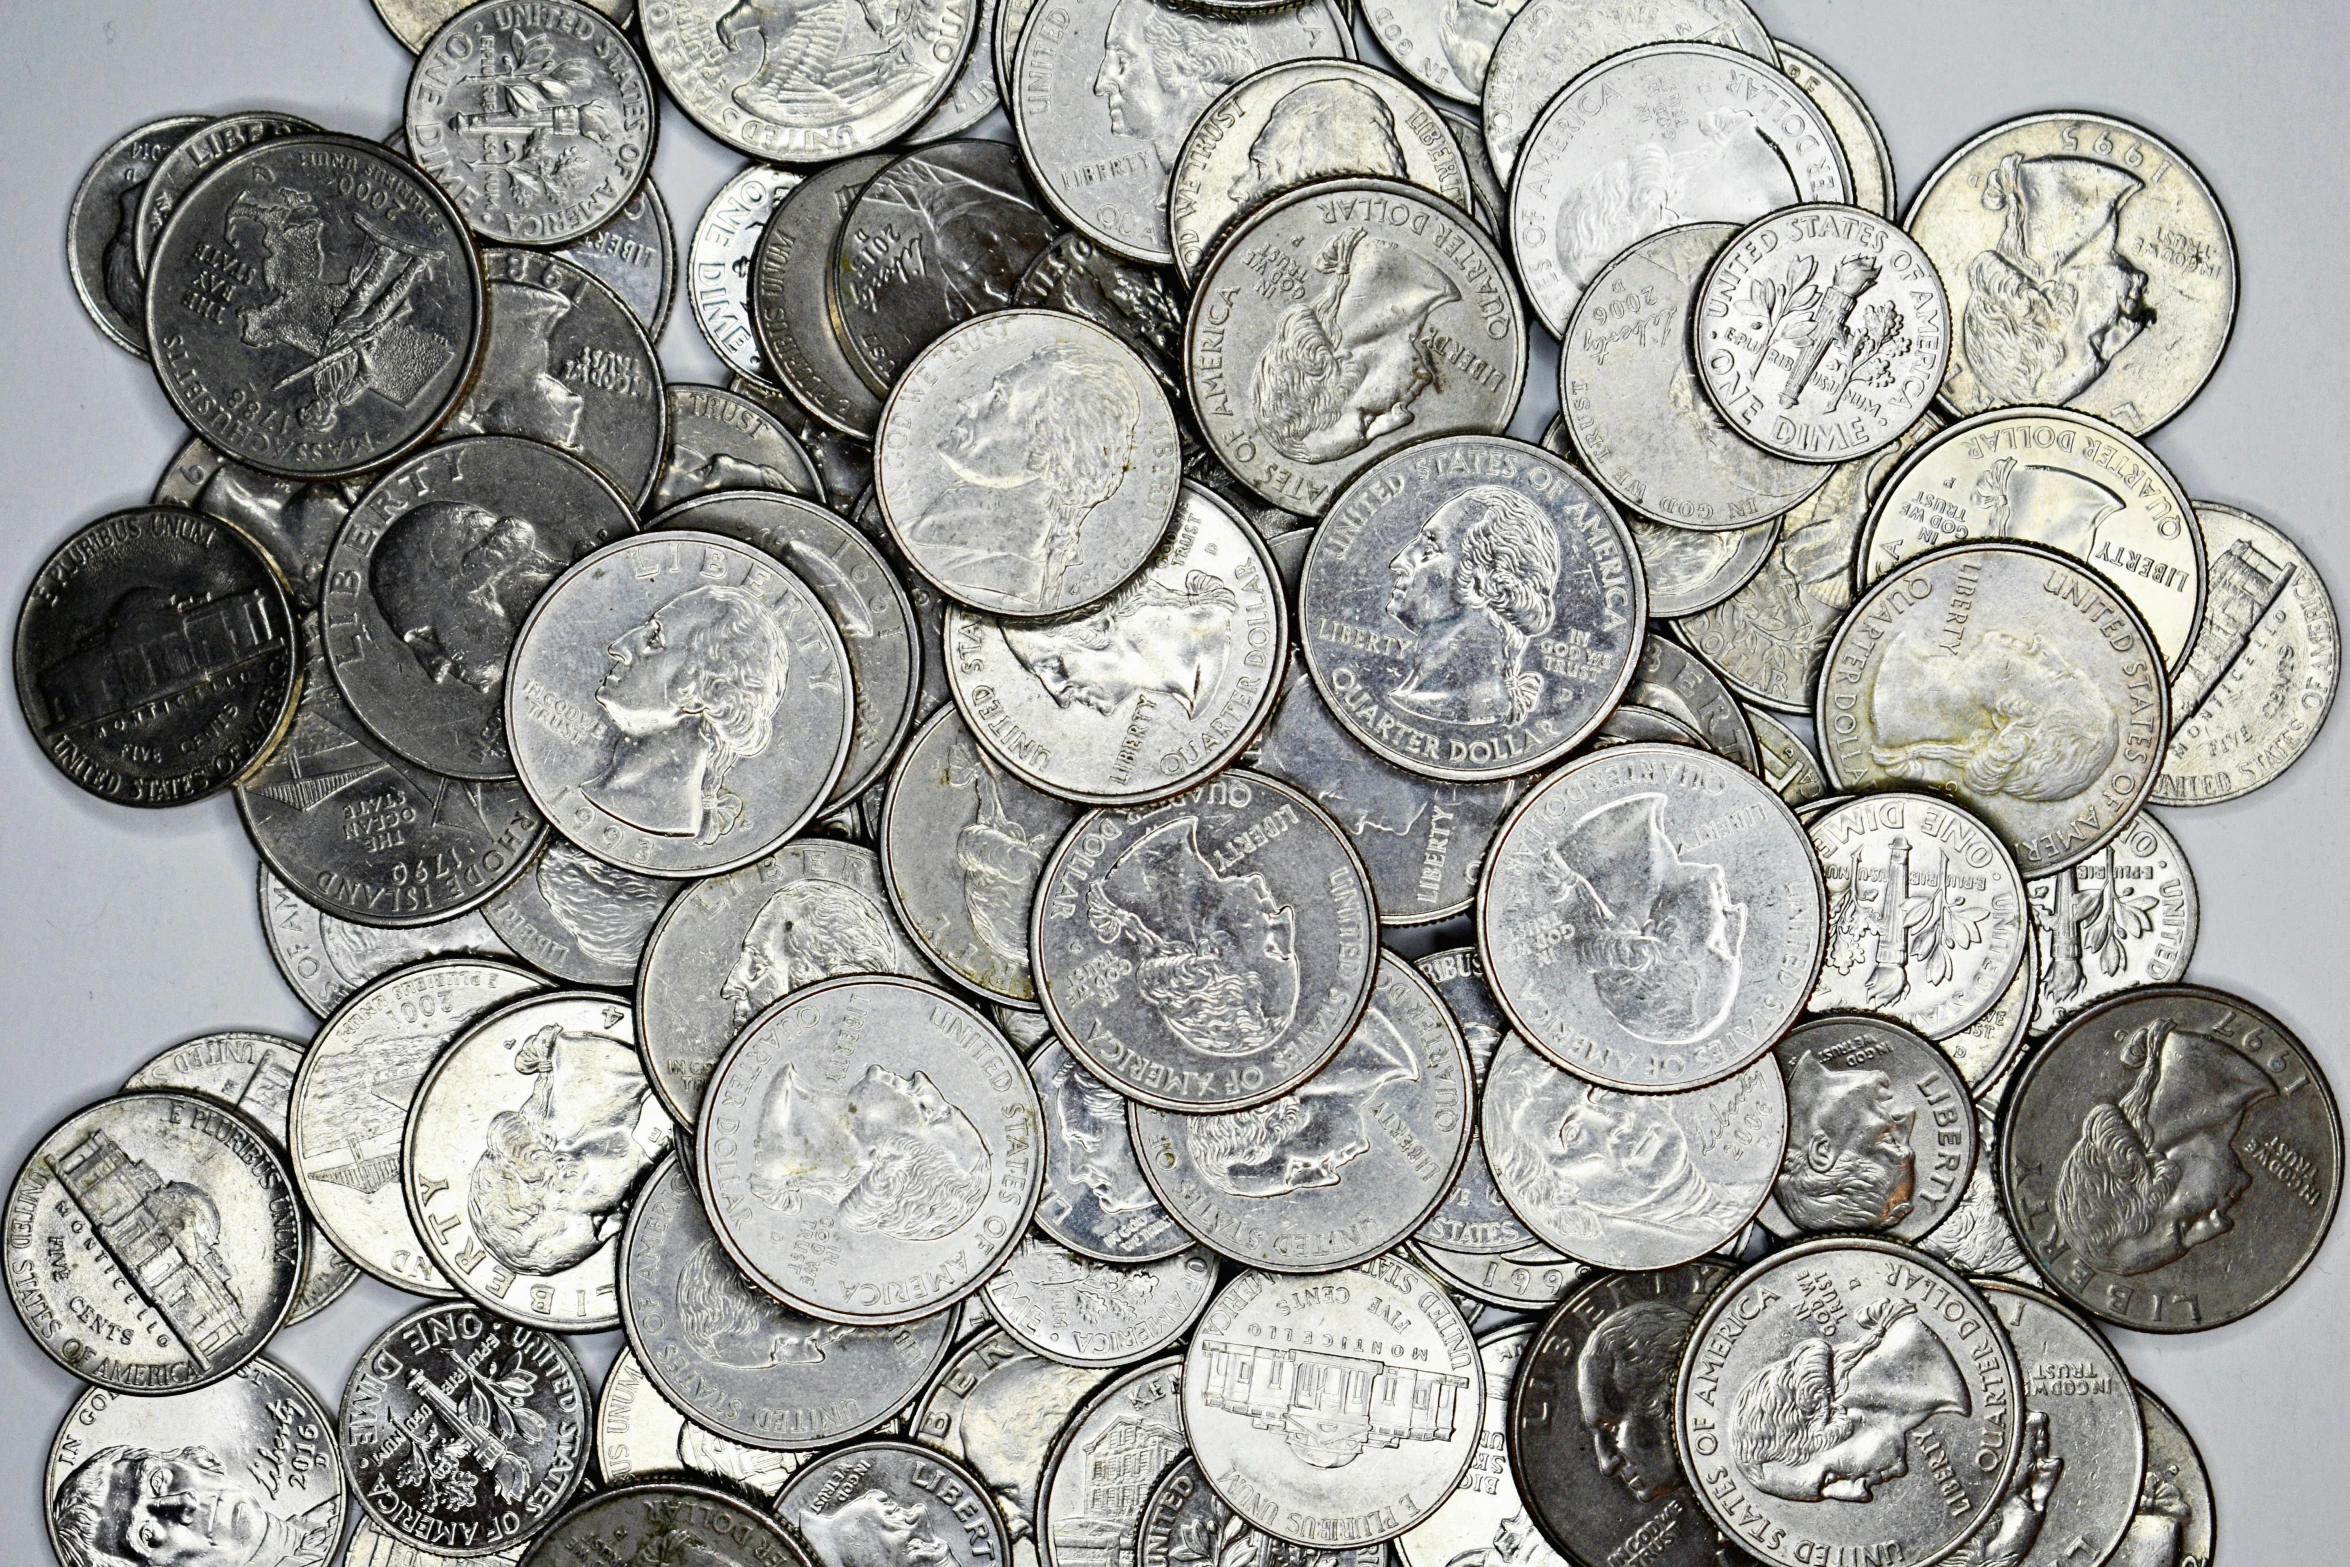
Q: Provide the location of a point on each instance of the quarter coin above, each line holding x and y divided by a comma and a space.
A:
1880, 1131
294, 521
718, 441
1530, 1278
325, 959
1085, 1312
1671, 683
185, 164
719, 264
1866, 157
931, 1505
1097, 1202
579, 919
635, 256
2125, 917
102, 227
1474, 1217
640, 1435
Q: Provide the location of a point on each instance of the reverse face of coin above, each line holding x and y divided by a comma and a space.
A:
1788, 764
640, 1435
719, 264
1866, 157
579, 919
1473, 1217
972, 96
1330, 1480
414, 22
1484, 1522
102, 225
2089, 267
1086, 1312
2009, 678
1096, 1202
996, 1407
718, 441
634, 254
197, 154
1445, 46
2176, 1521
2125, 917
1880, 1131
2172, 1159
790, 313
1652, 917
1136, 304
892, 1496
325, 959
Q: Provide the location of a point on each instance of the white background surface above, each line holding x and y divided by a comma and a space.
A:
124, 931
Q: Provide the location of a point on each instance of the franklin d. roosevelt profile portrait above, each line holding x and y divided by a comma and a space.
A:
1307, 1136
1849, 1164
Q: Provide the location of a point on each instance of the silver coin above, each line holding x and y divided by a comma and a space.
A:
2260, 678
1635, 409
1134, 303
1866, 157
996, 1407
579, 919
671, 1518
2175, 1523
719, 264
348, 1106
1976, 1237
568, 366
1672, 682
1651, 918
371, 1547
2125, 917
1490, 197
102, 226
155, 1242
2010, 679
718, 441
790, 315
185, 165
1788, 764
1686, 569
1631, 1181
1346, 1469
887, 1180
1560, 40
1880, 1131
1183, 1519
294, 521
1102, 106
525, 1142
1029, 1031
1085, 1312
2088, 264
1485, 1522
930, 608
430, 578
1146, 695
1632, 724
972, 96
1027, 463
1002, 42
2171, 1158
245, 1470
254, 1073
679, 704
414, 22
325, 959
1290, 293
1988, 1046
1097, 1202
640, 1435
465, 1434
1444, 45
1531, 1278
1895, 1353
894, 1496
2065, 480
843, 462
1474, 1217
1097, 1480
1340, 1167
635, 256
1472, 608
737, 1362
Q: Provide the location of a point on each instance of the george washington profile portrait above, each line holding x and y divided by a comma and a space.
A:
2007, 715
889, 1155
453, 580
1343, 368
1322, 130
1624, 1377
1832, 1421
2055, 300
1151, 637
1732, 173
1475, 586
810, 929
1307, 1136
519, 392
1161, 68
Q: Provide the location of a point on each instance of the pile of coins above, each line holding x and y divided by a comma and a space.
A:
888, 882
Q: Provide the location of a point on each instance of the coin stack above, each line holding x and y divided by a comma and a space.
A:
889, 882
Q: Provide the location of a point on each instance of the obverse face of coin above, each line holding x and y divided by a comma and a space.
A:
1989, 1045
1631, 1181
719, 264
1788, 764
2009, 678
2089, 267
1134, 303
102, 225
995, 1408
924, 1499
1866, 157
1670, 682
1689, 569
579, 919
86, 1275
718, 441
1333, 1480
1085, 1312
1184, 1510
1472, 608
1532, 1278
414, 22
679, 704
131, 725
2260, 678
972, 96
465, 1433
640, 1435
252, 1459
185, 164
1976, 1238
325, 959
2176, 1521
1096, 1200
2172, 1159
634, 255
1880, 1131
1474, 1217
1651, 917
790, 313
1486, 1519
2125, 917
1445, 48
251, 371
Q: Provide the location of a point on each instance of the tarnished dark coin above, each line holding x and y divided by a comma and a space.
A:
1866, 157
2176, 1522
1474, 1217
156, 659
1088, 1512
102, 226
635, 256
718, 264
463, 1433
185, 164
1184, 1522
640, 1435
1135, 303
665, 1521
2125, 917
325, 959
1096, 1202
1880, 1131
2172, 1159
575, 917
790, 272
718, 441
414, 22
154, 1242
1086, 1312
1484, 1522
996, 1407
1670, 681
294, 521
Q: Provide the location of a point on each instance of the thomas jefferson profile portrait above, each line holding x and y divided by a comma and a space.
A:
2006, 715
850, 1527
732, 1324
2050, 505
1849, 1164
813, 59
1732, 174
889, 1155
137, 1507
1832, 1421
554, 1178
1659, 936
519, 392
1161, 68
1305, 1137
1319, 131
453, 580
1475, 586
810, 929
1149, 638
1214, 955
1343, 368
1090, 1147
690, 693
2055, 300
608, 912
2153, 1174
1624, 1379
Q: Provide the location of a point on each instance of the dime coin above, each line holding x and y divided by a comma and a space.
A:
154, 1242
1474, 1216
232, 329
1822, 332
2172, 1159
972, 96
579, 919
1083, 1312
733, 1359
1089, 1507
1788, 764
1895, 1353
1445, 48
790, 272
934, 1509
325, 959
1471, 544
1866, 157
1485, 1521
641, 1435
2061, 479
635, 256
1976, 1238
1097, 1202
679, 704
1651, 918
2009, 678
1291, 290
1134, 303
1339, 1475
102, 226
432, 575
1880, 1131
1342, 1166
1631, 1181
1102, 107
963, 844
731, 946
525, 1142
414, 22
569, 366
1183, 1511
719, 264
371, 1547
156, 661
1634, 408
1989, 1045
294, 521
870, 1149
1532, 1278
348, 1106
995, 1408
1207, 954
463, 1433
1027, 464
2125, 917
2260, 677
718, 441
2175, 1520
185, 164
1149, 693
1671, 682
2089, 267
665, 1521
248, 1466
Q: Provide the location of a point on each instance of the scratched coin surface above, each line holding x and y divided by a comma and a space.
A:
1096, 1202
640, 1435
895, 1497
1880, 1131
996, 1407
1474, 1217
2126, 916
1082, 1311
579, 919
102, 226
325, 959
